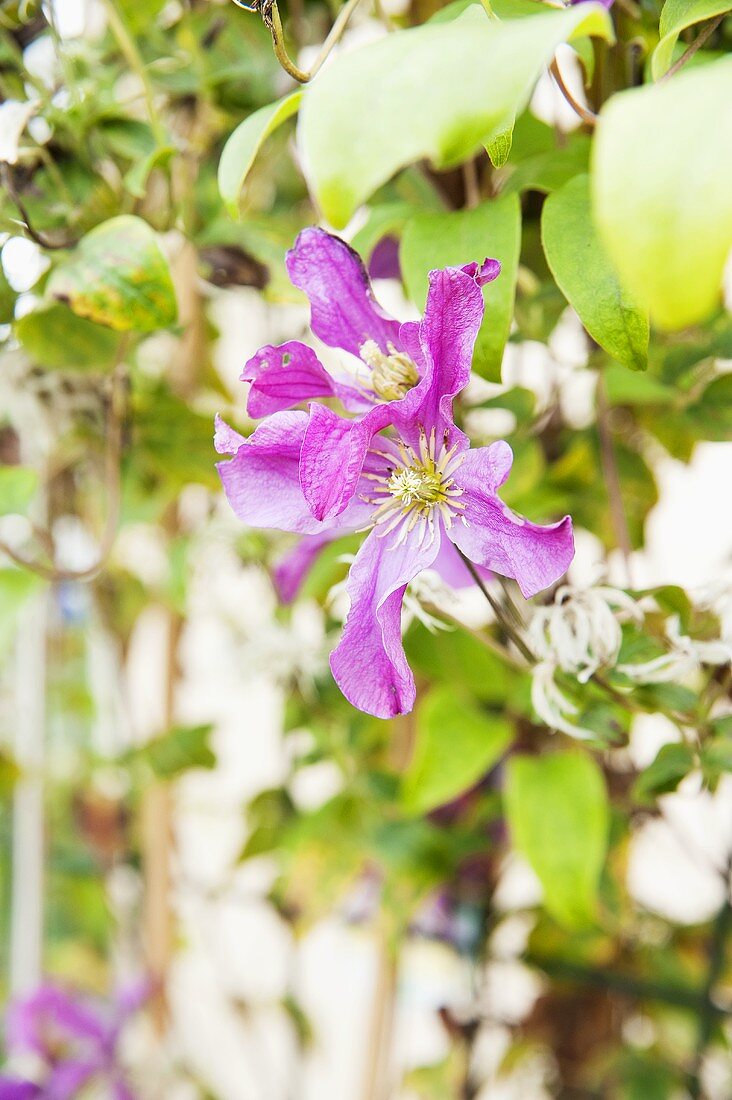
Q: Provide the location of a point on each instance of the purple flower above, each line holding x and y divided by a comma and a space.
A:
423, 495
390, 368
75, 1041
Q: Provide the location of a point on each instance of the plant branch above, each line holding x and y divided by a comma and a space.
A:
112, 486
584, 113
697, 44
507, 626
35, 235
612, 479
270, 14
709, 1011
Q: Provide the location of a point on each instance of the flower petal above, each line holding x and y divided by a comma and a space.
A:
332, 457
447, 333
283, 376
343, 310
290, 571
227, 440
368, 663
262, 480
494, 536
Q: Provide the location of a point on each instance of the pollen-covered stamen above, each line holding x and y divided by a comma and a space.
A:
392, 375
416, 488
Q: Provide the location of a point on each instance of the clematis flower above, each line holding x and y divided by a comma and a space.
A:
75, 1042
426, 499
385, 369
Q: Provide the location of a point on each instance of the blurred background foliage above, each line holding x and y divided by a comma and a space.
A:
117, 201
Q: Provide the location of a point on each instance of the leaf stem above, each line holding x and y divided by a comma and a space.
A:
507, 626
271, 16
129, 50
612, 479
697, 44
584, 113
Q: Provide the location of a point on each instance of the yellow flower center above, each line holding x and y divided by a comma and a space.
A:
392, 375
416, 486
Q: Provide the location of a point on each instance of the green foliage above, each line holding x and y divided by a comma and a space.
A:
676, 16
583, 272
444, 240
557, 809
18, 485
242, 147
661, 161
440, 91
672, 764
456, 744
16, 587
118, 276
54, 336
173, 753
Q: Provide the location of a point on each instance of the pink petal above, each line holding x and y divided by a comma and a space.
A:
293, 567
369, 664
497, 538
262, 481
344, 312
283, 376
333, 454
447, 333
227, 441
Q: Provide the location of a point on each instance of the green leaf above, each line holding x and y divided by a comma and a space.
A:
136, 179
499, 148
440, 240
175, 752
16, 586
676, 16
54, 336
557, 810
138, 16
672, 764
7, 299
587, 279
117, 276
439, 91
456, 744
662, 162
242, 147
18, 485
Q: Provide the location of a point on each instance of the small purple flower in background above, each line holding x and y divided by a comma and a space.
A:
74, 1041
425, 498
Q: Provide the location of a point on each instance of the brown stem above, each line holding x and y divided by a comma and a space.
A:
112, 487
584, 113
697, 44
35, 235
471, 183
271, 15
612, 479
505, 623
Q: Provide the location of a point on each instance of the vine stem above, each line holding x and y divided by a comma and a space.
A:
271, 16
709, 1012
584, 113
612, 479
507, 626
128, 48
697, 44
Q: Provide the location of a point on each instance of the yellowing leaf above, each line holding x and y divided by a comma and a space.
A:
117, 276
661, 170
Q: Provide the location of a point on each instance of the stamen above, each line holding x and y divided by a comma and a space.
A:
416, 488
392, 375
